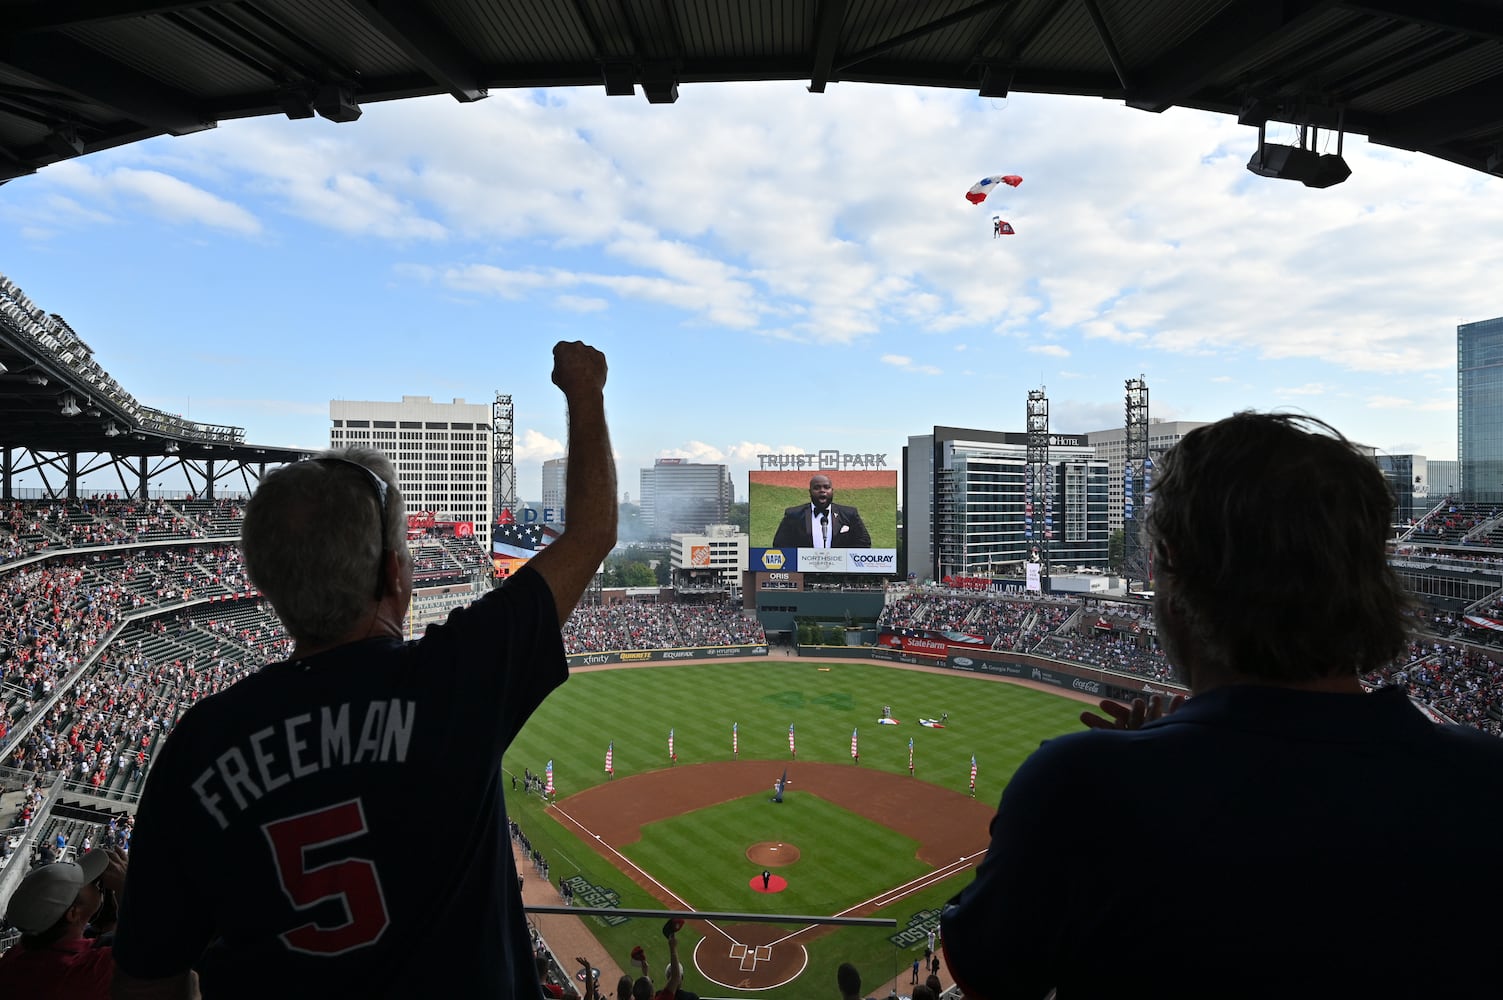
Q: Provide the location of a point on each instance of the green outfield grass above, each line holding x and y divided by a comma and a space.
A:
999, 723
878, 507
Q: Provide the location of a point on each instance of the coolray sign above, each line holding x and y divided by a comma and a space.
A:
871, 560
825, 458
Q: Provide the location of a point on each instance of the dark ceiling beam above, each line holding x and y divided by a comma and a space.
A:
1241, 33
426, 42
1474, 109
53, 15
938, 24
826, 42
1108, 44
998, 68
1448, 15
83, 73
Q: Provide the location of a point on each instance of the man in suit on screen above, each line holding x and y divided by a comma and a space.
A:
821, 523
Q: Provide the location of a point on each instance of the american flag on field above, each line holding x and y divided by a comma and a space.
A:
910, 753
973, 774
735, 741
792, 747
854, 752
671, 754
610, 753
548, 786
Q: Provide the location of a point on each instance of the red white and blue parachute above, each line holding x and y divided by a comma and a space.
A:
978, 192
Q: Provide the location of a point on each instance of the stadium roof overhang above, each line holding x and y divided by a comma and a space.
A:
77, 76
55, 399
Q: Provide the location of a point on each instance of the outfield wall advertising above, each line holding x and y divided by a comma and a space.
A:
663, 655
860, 535
1083, 679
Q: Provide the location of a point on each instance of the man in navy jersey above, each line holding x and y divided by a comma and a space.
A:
278, 849
1287, 834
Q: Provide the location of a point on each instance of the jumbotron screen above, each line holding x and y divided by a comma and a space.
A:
797, 525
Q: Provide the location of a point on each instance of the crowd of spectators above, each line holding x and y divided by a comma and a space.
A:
1450, 522
608, 628
1001, 622
31, 527
1462, 683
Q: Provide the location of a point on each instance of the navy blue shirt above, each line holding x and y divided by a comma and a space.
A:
1259, 842
336, 824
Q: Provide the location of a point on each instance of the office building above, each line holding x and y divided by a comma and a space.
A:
1479, 409
711, 560
442, 453
555, 481
1408, 476
683, 497
1111, 445
1445, 478
966, 507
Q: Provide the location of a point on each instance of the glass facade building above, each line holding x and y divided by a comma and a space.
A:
1479, 409
966, 499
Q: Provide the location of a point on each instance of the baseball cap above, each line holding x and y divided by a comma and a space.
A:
45, 894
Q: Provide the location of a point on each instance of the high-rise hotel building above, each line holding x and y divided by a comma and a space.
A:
1479, 409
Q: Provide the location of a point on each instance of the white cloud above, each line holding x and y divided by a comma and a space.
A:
904, 363
535, 446
580, 303
1051, 350
161, 194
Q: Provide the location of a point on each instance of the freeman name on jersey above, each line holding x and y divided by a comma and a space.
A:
301, 746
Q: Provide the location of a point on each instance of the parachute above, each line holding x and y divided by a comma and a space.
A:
978, 192
1001, 227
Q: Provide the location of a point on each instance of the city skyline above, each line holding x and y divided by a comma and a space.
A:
766, 270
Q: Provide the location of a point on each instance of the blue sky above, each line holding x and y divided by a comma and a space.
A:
766, 269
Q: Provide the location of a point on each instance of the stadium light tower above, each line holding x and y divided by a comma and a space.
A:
1135, 473
503, 466
1038, 516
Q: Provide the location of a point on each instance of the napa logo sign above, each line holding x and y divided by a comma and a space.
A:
773, 559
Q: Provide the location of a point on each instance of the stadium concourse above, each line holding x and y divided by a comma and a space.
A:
121, 613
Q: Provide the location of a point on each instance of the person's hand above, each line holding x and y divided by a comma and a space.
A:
1131, 716
578, 367
113, 876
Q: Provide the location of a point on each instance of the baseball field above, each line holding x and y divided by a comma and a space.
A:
849, 838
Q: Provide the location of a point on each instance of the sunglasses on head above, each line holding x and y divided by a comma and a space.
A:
381, 487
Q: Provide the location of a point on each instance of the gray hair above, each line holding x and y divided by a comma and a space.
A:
313, 542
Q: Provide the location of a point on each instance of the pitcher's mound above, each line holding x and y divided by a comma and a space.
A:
769, 854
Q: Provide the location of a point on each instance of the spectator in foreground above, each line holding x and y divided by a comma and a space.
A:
280, 817
848, 979
1292, 818
52, 908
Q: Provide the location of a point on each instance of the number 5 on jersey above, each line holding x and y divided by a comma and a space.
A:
353, 881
